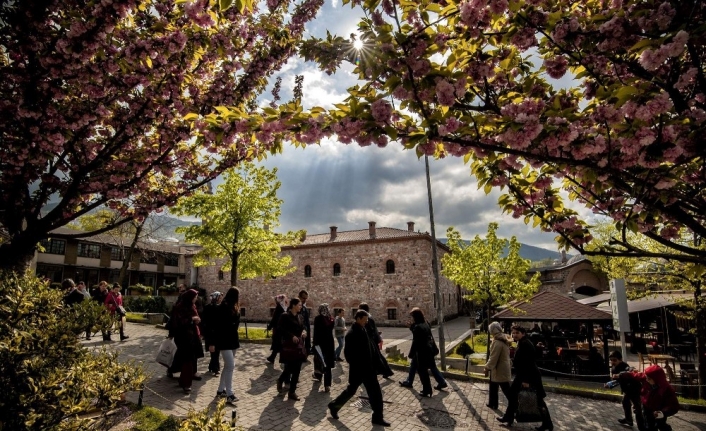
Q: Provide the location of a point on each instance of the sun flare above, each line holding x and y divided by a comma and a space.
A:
358, 44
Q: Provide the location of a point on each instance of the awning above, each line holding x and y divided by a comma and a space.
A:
649, 303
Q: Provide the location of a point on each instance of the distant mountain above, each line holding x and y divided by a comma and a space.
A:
529, 252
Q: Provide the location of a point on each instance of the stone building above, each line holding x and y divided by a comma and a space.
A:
388, 268
575, 277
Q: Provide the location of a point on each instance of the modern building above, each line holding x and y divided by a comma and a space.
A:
100, 257
390, 269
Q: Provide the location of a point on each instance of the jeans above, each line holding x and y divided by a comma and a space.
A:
434, 372
340, 346
226, 382
291, 374
372, 387
632, 403
493, 392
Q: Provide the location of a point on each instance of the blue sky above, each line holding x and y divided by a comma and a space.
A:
346, 185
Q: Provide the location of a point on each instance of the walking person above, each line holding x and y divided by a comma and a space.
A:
339, 329
114, 303
81, 288
526, 376
630, 389
323, 341
304, 316
422, 349
374, 334
184, 327
413, 366
498, 365
276, 345
226, 339
208, 323
100, 295
363, 357
71, 294
293, 352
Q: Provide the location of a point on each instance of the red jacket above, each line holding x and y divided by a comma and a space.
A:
661, 396
112, 301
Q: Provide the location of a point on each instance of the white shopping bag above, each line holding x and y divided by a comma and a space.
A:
321, 355
166, 353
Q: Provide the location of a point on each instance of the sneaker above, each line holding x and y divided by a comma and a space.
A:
231, 399
625, 422
293, 396
405, 384
221, 394
441, 386
124, 337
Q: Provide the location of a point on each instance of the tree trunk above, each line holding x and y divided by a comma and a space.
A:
700, 318
234, 270
128, 257
17, 254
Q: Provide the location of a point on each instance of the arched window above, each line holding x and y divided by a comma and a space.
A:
307, 271
390, 267
336, 270
220, 275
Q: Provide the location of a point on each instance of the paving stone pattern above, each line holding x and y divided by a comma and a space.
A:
461, 407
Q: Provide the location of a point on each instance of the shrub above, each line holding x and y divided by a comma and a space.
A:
140, 288
464, 349
48, 377
481, 339
146, 304
206, 420
171, 288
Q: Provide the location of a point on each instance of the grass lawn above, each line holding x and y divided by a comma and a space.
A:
151, 419
254, 333
136, 317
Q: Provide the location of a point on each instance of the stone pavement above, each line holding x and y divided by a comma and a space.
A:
462, 407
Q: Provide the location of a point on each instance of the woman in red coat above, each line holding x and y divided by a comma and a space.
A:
185, 328
113, 301
659, 401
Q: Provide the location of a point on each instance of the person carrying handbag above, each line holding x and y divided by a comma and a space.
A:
498, 365
114, 303
293, 351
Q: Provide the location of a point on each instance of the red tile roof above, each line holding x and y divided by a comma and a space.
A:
550, 306
360, 235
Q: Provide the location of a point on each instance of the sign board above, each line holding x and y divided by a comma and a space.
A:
619, 305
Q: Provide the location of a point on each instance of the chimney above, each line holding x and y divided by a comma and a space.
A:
563, 256
304, 236
410, 226
371, 229
333, 232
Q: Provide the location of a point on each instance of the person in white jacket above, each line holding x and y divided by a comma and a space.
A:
498, 365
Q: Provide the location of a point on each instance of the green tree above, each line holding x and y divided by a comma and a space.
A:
237, 224
48, 377
480, 268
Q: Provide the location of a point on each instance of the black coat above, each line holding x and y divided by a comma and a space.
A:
361, 354
73, 297
526, 370
323, 337
373, 332
186, 333
208, 323
288, 327
421, 344
276, 345
226, 325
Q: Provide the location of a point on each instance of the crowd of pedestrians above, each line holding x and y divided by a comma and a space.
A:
75, 293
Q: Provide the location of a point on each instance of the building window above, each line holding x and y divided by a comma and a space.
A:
272, 311
307, 271
220, 275
89, 250
117, 253
336, 269
242, 311
53, 272
148, 279
391, 314
148, 257
390, 267
433, 297
353, 311
171, 260
54, 246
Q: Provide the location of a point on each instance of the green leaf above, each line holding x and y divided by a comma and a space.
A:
225, 4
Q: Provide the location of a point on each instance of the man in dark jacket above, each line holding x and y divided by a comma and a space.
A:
72, 295
99, 296
526, 376
362, 356
630, 390
374, 335
305, 314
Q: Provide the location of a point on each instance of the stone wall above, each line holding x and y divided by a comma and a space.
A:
363, 278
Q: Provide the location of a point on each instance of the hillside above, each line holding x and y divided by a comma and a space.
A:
531, 252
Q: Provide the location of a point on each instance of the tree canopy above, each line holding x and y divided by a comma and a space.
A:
478, 79
96, 98
238, 223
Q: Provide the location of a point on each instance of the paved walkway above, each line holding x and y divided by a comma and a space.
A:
462, 407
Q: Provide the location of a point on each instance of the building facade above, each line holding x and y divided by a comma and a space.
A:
390, 269
98, 258
574, 277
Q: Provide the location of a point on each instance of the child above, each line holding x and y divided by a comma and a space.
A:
659, 401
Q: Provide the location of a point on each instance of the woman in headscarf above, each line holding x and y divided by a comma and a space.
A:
227, 340
498, 365
323, 344
184, 326
280, 307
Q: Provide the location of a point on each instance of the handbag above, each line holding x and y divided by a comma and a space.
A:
121, 310
528, 406
433, 346
166, 353
292, 352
